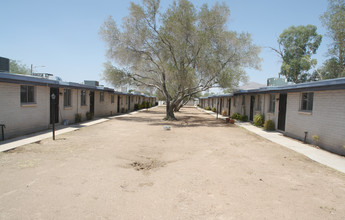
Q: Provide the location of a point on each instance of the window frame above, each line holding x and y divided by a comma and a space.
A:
272, 103
29, 99
83, 98
307, 102
101, 96
258, 103
112, 99
67, 95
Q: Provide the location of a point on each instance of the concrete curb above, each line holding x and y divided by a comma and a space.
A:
321, 156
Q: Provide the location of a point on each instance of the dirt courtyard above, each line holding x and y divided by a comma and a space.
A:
131, 168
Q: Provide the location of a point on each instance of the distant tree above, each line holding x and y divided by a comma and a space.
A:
296, 46
334, 20
18, 68
180, 52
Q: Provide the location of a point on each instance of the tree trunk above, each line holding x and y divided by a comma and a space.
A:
170, 112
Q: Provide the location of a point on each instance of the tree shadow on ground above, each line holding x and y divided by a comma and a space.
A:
185, 119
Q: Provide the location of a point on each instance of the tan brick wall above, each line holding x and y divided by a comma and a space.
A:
20, 118
327, 120
105, 108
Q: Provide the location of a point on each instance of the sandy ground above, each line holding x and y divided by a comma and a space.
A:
131, 168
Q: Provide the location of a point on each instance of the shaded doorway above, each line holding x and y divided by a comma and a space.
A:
92, 102
54, 103
282, 112
252, 102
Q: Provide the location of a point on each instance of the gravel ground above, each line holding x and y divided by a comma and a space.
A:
131, 168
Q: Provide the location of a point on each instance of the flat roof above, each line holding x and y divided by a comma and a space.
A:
35, 80
329, 84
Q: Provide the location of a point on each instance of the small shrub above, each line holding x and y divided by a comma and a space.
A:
316, 138
122, 110
136, 107
235, 116
207, 108
77, 118
243, 118
149, 105
269, 125
259, 120
89, 115
224, 113
213, 109
156, 103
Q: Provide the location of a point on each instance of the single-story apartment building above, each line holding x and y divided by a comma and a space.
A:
300, 111
26, 103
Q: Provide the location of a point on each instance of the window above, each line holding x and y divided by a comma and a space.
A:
121, 100
83, 97
27, 94
243, 100
112, 98
127, 99
67, 98
235, 101
307, 101
272, 103
101, 96
258, 103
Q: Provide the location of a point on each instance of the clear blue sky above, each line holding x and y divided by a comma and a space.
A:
63, 35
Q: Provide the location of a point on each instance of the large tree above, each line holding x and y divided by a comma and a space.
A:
334, 20
19, 68
180, 52
296, 46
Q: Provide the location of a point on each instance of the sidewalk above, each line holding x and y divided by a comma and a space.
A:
321, 156
60, 129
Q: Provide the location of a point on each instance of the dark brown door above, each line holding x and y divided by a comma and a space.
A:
252, 102
282, 112
54, 103
92, 102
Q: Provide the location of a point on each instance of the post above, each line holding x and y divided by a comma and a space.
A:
217, 107
53, 117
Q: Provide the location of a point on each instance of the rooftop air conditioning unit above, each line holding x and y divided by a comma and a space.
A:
4, 64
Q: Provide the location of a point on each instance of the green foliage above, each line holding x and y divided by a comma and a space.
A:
136, 107
316, 138
89, 115
180, 52
207, 108
77, 118
297, 45
334, 20
18, 68
259, 120
236, 116
213, 109
240, 117
269, 125
243, 118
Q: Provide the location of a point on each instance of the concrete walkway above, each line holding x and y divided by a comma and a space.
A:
60, 129
321, 156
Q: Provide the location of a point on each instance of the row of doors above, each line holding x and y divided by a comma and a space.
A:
54, 104
281, 113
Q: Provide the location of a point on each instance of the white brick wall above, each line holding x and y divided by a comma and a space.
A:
19, 118
327, 120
